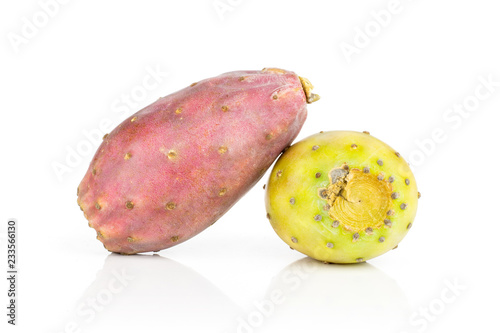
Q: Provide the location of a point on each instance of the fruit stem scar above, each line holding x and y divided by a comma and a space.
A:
358, 199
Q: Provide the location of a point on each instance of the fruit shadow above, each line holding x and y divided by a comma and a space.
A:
349, 298
149, 293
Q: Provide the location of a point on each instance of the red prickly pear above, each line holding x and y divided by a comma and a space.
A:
175, 167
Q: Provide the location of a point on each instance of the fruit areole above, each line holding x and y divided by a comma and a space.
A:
172, 169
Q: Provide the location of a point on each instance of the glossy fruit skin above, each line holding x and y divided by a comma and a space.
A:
301, 217
172, 169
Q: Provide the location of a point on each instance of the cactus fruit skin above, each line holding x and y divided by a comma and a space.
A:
172, 169
341, 197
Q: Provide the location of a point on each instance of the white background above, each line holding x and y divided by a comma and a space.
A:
73, 71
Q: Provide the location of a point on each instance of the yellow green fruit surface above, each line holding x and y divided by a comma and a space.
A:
353, 218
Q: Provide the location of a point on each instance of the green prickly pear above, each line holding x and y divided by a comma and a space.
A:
341, 197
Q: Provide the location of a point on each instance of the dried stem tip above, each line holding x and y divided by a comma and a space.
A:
308, 87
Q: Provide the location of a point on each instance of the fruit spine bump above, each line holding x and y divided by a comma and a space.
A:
172, 169
341, 197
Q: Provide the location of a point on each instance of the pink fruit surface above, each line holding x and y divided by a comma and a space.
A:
172, 169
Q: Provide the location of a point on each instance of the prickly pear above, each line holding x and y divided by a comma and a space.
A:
341, 197
172, 169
